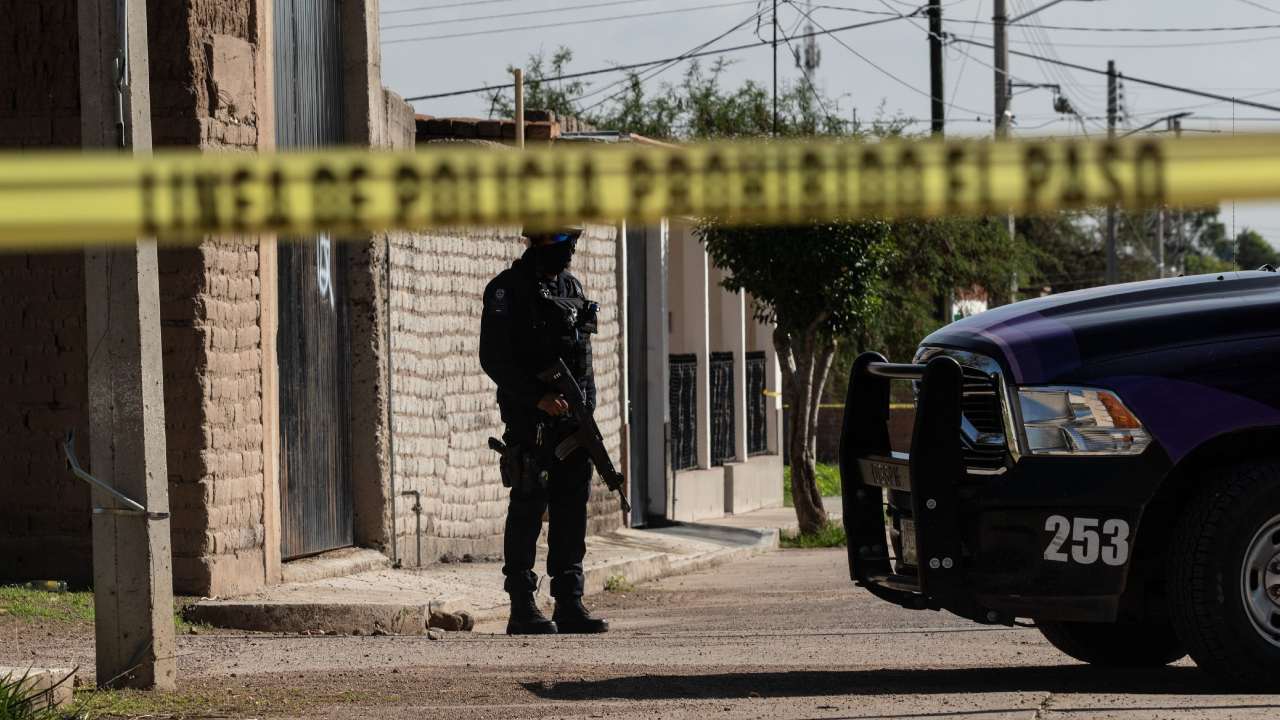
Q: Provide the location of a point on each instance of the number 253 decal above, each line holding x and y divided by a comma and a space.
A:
1088, 540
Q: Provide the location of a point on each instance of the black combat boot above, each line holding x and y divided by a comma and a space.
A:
526, 618
573, 619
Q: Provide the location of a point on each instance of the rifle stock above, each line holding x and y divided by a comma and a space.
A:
588, 434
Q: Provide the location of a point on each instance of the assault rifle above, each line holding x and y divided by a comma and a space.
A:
587, 435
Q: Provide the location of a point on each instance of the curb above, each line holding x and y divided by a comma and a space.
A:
461, 613
745, 543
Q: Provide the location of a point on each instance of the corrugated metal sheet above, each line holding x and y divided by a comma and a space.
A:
309, 102
313, 344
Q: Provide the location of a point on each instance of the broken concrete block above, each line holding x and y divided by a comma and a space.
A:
47, 687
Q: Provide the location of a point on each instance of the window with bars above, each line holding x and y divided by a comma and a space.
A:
683, 387
757, 406
722, 420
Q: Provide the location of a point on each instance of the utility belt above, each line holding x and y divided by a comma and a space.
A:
525, 461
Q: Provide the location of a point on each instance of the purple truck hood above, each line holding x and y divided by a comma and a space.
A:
1051, 339
1193, 357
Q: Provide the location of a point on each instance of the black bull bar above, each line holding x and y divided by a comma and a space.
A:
932, 473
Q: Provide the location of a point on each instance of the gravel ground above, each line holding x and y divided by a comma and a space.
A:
784, 635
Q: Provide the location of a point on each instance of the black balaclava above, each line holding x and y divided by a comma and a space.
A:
554, 258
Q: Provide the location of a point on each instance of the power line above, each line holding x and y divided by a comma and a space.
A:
522, 13
666, 66
1081, 28
635, 66
955, 89
422, 8
1260, 6
1137, 46
1197, 106
1069, 79
1131, 78
1015, 78
885, 72
591, 21
804, 73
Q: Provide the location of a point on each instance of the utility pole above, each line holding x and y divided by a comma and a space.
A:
936, 88
999, 27
775, 68
132, 563
1175, 124
519, 82
1113, 96
1000, 40
1160, 215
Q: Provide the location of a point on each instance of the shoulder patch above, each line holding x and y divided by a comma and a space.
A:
499, 301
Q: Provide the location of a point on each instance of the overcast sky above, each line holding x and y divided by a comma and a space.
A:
1233, 63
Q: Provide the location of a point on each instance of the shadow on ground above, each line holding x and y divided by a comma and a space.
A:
1060, 679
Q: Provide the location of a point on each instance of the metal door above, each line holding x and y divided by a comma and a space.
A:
313, 341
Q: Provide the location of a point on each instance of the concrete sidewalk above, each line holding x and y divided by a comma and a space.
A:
455, 596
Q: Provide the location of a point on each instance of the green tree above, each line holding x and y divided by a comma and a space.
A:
817, 283
540, 93
1252, 252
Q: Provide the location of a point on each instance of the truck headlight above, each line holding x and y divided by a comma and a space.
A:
1079, 421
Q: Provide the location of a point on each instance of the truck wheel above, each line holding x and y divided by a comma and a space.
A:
1224, 575
1118, 645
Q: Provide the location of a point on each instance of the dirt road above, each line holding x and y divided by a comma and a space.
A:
778, 636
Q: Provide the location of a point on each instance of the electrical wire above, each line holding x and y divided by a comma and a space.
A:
1166, 111
650, 63
1140, 46
955, 89
665, 66
1260, 6
424, 8
592, 21
1082, 28
1131, 78
1082, 95
885, 72
804, 73
522, 13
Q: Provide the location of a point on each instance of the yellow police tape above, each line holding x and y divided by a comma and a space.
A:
49, 199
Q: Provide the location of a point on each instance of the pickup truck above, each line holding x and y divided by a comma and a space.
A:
1102, 463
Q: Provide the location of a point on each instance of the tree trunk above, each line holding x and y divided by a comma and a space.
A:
805, 362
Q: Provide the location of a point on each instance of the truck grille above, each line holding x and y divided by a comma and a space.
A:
980, 405
984, 442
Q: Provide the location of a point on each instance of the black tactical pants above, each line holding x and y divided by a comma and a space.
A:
565, 501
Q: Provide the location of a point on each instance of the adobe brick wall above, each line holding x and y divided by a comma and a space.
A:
40, 82
539, 126
211, 340
44, 512
203, 73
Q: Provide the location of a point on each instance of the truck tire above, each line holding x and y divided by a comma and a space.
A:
1117, 645
1224, 576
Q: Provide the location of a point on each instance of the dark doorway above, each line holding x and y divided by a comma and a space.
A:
313, 344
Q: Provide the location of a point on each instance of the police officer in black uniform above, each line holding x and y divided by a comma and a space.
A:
536, 312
